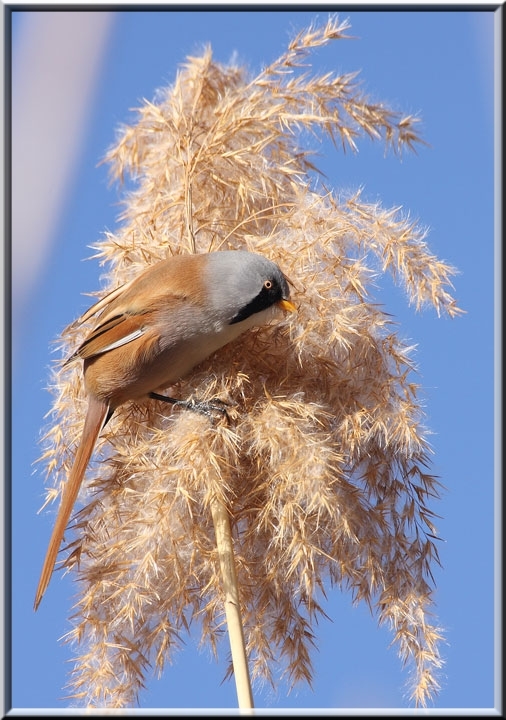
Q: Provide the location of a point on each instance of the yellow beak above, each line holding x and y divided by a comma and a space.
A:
287, 305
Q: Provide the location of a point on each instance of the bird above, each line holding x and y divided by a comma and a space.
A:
152, 331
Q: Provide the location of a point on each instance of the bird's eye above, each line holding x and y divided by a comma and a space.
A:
268, 284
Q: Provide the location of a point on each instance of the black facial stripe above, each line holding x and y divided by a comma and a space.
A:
265, 299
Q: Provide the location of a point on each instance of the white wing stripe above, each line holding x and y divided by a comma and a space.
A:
122, 341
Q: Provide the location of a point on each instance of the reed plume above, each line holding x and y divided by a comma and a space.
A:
324, 467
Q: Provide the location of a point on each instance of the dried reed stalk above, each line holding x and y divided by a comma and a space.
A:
232, 604
324, 471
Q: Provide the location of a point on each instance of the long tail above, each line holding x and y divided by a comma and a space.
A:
96, 417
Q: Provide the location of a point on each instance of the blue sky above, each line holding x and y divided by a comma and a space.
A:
438, 64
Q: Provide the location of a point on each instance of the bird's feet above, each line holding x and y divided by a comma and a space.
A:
202, 407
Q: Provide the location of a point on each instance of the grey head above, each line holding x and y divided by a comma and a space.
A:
245, 284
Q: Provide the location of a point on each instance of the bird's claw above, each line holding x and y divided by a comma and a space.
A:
202, 407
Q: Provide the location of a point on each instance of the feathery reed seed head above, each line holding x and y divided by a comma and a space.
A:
323, 468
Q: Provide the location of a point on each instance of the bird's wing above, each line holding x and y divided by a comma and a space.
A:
128, 312
103, 303
114, 332
124, 299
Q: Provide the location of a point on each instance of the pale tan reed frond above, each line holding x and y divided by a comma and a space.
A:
324, 468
